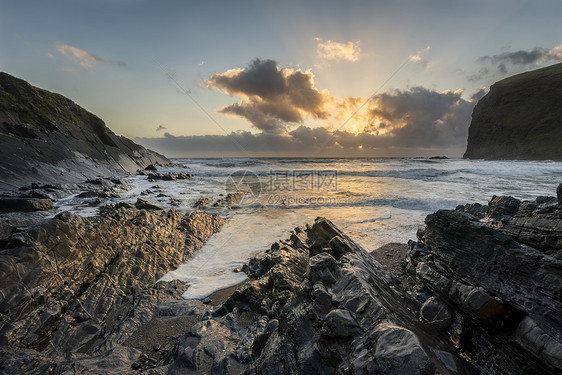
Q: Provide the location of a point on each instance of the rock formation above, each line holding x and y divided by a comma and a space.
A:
520, 118
479, 294
47, 137
76, 288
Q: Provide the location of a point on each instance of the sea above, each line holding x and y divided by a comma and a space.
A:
375, 201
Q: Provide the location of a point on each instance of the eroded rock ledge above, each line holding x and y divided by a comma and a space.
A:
73, 288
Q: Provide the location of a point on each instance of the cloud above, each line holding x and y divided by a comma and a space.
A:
481, 74
412, 122
86, 60
277, 101
82, 58
119, 63
518, 60
160, 128
333, 51
420, 117
417, 58
271, 96
479, 94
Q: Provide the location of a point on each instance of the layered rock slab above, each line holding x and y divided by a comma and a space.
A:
84, 285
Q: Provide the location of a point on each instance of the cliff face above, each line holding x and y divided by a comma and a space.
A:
48, 138
520, 118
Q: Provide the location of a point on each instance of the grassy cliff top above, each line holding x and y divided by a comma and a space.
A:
39, 107
549, 73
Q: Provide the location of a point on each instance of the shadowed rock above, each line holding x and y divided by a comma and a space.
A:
24, 204
47, 137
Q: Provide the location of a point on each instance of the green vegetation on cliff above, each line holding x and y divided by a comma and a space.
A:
36, 106
520, 118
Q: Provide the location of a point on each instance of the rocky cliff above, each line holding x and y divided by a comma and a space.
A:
45, 137
520, 118
479, 293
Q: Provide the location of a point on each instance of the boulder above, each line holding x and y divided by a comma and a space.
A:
436, 313
398, 351
143, 204
341, 324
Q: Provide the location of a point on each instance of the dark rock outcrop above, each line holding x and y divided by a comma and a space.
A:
47, 137
520, 118
500, 272
24, 204
229, 200
170, 176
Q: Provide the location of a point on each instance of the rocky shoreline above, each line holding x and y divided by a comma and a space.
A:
479, 292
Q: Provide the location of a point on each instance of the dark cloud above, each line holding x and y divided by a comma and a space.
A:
478, 94
119, 63
408, 123
420, 117
506, 61
518, 57
271, 96
160, 127
482, 73
502, 68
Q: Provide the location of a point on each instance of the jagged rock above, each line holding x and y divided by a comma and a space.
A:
151, 167
25, 204
201, 203
88, 194
322, 268
559, 194
433, 279
170, 176
229, 200
504, 271
84, 285
477, 301
143, 204
118, 181
314, 303
104, 183
328, 324
475, 209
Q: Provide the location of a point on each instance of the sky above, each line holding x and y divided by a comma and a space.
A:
280, 78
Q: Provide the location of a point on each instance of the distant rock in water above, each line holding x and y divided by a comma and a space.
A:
520, 118
47, 137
